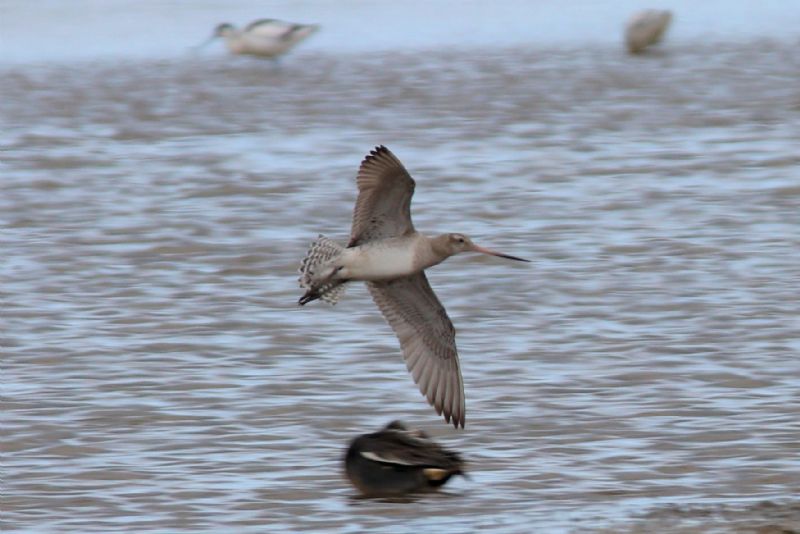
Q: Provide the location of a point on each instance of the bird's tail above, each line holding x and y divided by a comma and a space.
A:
316, 272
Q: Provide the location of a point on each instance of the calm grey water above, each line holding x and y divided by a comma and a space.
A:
641, 374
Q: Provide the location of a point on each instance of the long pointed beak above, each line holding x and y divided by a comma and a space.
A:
197, 48
482, 250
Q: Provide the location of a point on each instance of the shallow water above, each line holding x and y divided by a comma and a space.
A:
641, 374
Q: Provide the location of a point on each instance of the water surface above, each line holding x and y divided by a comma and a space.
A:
640, 375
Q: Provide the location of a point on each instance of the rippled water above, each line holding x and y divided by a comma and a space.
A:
641, 374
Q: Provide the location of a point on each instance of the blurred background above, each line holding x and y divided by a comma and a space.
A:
49, 30
156, 199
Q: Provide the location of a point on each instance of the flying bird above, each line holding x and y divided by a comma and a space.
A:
387, 253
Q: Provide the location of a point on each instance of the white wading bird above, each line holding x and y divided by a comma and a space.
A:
268, 38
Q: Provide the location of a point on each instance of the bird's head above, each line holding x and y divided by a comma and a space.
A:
223, 30
456, 243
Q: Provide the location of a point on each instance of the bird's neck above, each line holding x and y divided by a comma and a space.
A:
438, 250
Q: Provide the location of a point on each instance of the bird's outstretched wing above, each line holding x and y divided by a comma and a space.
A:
428, 341
383, 208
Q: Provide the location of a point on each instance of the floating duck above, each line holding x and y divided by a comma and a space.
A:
397, 461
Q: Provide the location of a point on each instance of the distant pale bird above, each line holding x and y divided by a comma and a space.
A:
388, 254
397, 461
267, 38
646, 28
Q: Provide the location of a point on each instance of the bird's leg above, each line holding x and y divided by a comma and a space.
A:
311, 295
314, 292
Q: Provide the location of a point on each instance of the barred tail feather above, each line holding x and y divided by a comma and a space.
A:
332, 294
320, 253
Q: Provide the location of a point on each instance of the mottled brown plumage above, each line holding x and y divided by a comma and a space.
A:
391, 256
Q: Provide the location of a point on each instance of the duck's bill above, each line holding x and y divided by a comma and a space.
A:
482, 250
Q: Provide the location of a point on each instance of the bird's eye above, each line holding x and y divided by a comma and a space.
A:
460, 239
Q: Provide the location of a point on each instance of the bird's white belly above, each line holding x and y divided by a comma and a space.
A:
378, 263
257, 45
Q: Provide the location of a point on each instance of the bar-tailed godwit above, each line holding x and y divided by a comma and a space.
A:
388, 254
